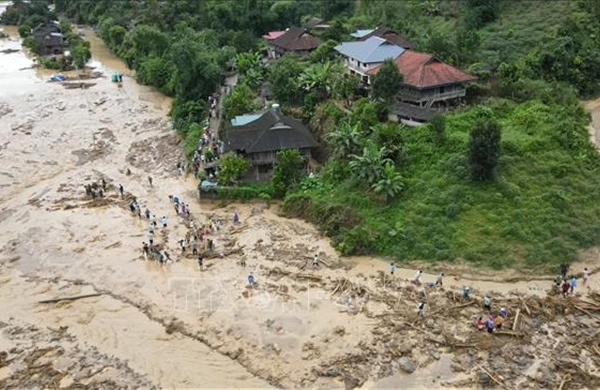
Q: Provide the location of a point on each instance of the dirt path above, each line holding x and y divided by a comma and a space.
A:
346, 323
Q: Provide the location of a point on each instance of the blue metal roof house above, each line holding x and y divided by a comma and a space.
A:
362, 56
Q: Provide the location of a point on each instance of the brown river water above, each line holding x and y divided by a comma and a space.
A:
173, 325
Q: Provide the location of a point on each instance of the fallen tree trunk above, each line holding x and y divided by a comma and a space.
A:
54, 300
309, 276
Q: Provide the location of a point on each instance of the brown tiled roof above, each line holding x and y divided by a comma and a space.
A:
296, 39
269, 133
422, 70
390, 36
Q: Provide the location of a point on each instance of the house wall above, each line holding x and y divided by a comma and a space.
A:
262, 164
276, 53
360, 68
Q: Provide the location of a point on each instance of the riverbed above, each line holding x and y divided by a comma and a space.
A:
176, 325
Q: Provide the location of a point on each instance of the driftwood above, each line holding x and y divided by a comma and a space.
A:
54, 300
563, 381
525, 306
238, 229
212, 255
509, 333
309, 276
494, 378
452, 308
516, 321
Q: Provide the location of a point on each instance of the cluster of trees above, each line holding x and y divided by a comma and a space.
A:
369, 152
27, 14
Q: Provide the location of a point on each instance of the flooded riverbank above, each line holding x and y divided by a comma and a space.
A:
174, 325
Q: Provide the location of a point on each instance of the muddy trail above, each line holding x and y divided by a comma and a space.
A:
344, 323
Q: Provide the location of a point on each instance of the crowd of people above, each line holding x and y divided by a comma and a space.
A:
210, 147
493, 320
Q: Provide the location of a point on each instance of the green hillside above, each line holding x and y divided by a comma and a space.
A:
389, 190
541, 209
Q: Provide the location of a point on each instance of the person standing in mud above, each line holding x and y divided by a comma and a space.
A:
565, 288
151, 237
194, 247
466, 293
586, 275
489, 324
163, 221
251, 280
88, 190
150, 180
392, 269
487, 303
421, 309
417, 278
147, 213
315, 262
182, 246
121, 190
200, 263
440, 280
145, 249
572, 284
564, 268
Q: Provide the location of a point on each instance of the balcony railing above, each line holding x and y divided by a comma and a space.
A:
419, 97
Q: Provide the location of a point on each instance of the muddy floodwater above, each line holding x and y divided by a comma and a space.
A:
343, 323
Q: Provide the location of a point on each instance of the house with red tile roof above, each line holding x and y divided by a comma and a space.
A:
271, 35
428, 80
293, 40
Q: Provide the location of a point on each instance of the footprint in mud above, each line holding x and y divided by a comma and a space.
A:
6, 213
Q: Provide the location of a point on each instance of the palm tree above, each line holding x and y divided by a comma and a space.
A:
245, 62
390, 184
320, 78
345, 140
370, 166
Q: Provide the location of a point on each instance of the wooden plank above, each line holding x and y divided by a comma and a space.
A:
516, 321
54, 300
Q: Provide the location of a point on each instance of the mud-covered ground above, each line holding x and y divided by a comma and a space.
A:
346, 323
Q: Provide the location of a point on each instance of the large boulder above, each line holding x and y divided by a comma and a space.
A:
407, 365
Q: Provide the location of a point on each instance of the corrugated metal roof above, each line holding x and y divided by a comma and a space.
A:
373, 50
241, 120
361, 33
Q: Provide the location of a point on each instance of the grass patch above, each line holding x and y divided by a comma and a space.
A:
541, 210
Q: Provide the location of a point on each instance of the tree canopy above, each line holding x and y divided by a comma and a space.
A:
387, 82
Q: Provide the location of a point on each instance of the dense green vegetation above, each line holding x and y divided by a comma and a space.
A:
509, 182
541, 208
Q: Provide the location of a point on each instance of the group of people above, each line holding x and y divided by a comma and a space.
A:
566, 285
210, 147
438, 281
96, 190
491, 323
